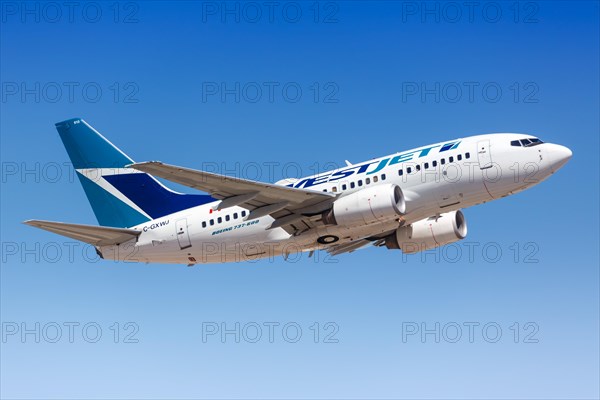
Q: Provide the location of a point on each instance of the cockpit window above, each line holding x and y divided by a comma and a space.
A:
526, 142
531, 142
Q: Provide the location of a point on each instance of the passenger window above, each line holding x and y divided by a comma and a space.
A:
344, 187
227, 217
434, 163
408, 170
235, 216
400, 172
212, 222
443, 161
243, 214
204, 224
219, 220
334, 189
383, 177
450, 159
324, 190
459, 157
426, 165
467, 156
352, 185
367, 181
360, 182
375, 179
418, 167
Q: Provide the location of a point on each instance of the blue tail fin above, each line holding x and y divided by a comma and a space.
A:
120, 197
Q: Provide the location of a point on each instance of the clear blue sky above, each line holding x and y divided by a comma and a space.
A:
151, 77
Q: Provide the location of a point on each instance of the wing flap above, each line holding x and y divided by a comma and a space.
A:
347, 247
94, 235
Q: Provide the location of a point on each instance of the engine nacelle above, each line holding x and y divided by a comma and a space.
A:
374, 204
429, 233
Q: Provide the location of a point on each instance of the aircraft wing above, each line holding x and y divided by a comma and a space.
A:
289, 206
94, 235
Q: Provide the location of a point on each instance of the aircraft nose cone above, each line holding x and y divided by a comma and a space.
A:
559, 155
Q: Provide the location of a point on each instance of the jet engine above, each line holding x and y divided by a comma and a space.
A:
429, 233
374, 204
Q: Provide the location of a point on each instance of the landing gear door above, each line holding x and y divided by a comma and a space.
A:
183, 236
483, 154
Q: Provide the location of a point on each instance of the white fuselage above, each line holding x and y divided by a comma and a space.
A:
435, 179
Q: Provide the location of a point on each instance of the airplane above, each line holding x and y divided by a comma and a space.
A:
410, 201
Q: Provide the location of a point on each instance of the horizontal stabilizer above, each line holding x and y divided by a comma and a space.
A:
94, 235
